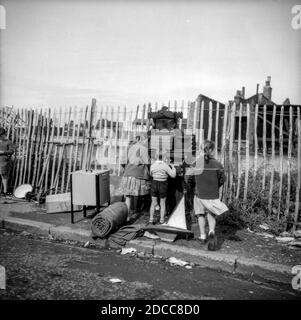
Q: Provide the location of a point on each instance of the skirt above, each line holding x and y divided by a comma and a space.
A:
4, 167
214, 206
131, 186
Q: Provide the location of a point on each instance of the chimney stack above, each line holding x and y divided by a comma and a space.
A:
267, 89
243, 92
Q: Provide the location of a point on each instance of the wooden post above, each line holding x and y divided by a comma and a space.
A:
210, 122
255, 141
65, 140
142, 118
36, 149
122, 145
264, 144
80, 119
195, 118
31, 143
297, 201
289, 164
201, 136
273, 161
19, 153
50, 148
90, 150
45, 151
55, 151
224, 135
181, 120
116, 140
22, 149
99, 136
216, 129
61, 154
83, 149
41, 148
176, 105
281, 160
238, 152
232, 127
247, 165
26, 135
75, 117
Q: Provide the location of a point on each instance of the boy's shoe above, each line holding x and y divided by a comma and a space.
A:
212, 241
150, 223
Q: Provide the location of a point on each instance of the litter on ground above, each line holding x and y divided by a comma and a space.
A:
128, 250
115, 280
178, 262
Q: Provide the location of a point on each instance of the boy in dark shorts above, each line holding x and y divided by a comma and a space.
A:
160, 171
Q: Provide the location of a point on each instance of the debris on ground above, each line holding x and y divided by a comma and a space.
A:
140, 255
264, 226
297, 234
249, 230
265, 234
188, 267
25, 233
295, 244
177, 262
150, 235
87, 244
285, 234
128, 250
285, 239
115, 280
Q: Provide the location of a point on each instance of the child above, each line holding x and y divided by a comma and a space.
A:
160, 171
207, 195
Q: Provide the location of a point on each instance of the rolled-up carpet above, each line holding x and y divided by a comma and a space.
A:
109, 220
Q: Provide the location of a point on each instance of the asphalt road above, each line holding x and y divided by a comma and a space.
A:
41, 268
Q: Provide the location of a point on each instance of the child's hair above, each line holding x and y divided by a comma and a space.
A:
208, 147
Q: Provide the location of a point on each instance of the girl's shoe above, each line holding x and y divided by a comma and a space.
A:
212, 241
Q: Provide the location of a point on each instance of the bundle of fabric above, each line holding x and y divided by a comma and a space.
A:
127, 233
109, 220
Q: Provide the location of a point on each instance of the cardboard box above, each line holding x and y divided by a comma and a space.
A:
56, 203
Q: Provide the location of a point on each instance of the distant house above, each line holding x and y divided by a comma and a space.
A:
262, 99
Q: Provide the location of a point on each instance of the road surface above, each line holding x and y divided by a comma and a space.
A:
41, 268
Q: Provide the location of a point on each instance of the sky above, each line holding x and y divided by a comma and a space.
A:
64, 53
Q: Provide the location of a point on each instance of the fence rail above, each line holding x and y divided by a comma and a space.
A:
255, 143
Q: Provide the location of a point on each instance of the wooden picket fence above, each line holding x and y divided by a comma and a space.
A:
51, 143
